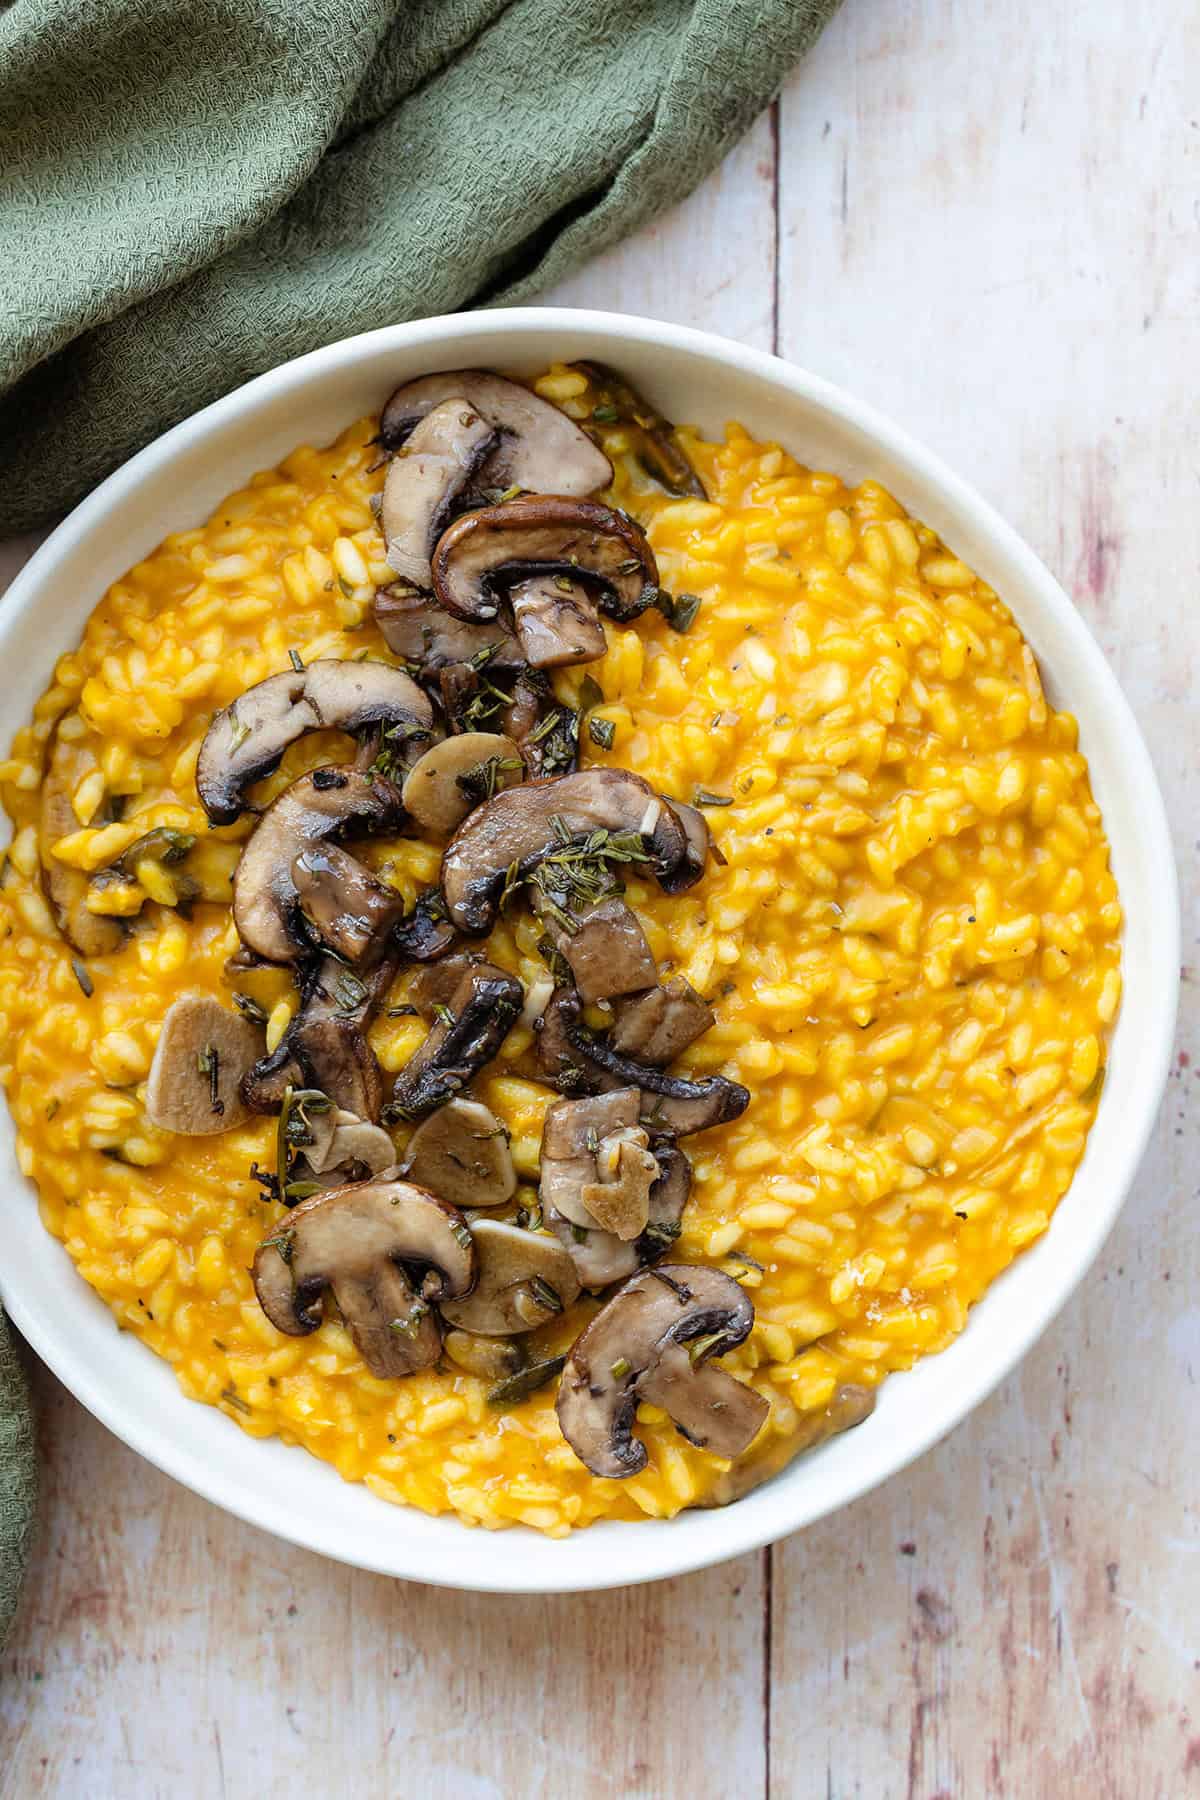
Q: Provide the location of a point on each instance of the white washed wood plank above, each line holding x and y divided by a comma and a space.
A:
989, 227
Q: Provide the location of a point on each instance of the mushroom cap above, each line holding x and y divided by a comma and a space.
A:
607, 953
345, 906
461, 1152
248, 738
363, 1240
486, 1003
322, 806
660, 1024
540, 448
415, 627
518, 829
437, 790
325, 1046
183, 1081
489, 551
600, 1256
425, 478
525, 1278
637, 1347
341, 1139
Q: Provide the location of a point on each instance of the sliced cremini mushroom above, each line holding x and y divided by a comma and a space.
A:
344, 906
320, 808
415, 627
606, 952
540, 448
510, 835
597, 1169
425, 934
475, 1023
657, 1026
555, 622
525, 1278
485, 553
600, 1257
67, 889
342, 1141
491, 1358
247, 739
577, 1060
460, 773
654, 1341
619, 1199
325, 1045
461, 1152
849, 1406
202, 1055
617, 402
425, 478
546, 731
368, 1241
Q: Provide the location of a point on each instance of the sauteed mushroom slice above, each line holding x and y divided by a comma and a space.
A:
657, 1026
344, 905
607, 953
458, 774
461, 1152
247, 739
656, 448
203, 1053
415, 627
577, 1060
525, 1278
486, 553
425, 933
325, 1046
425, 478
369, 1241
546, 732
849, 1406
486, 1004
597, 1169
521, 828
556, 623
654, 1341
600, 1257
540, 448
342, 1141
321, 807
67, 889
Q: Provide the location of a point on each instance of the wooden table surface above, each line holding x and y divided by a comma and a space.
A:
986, 219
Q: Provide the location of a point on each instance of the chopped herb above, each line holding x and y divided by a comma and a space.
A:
295, 1191
348, 992
483, 657
462, 1236
702, 797
83, 978
234, 1400
250, 1009
529, 1218
701, 1347
620, 1368
53, 1108
296, 661
683, 613
5, 865
556, 962
657, 1236
739, 1256
591, 694
510, 493
404, 1011
606, 414
564, 584
390, 760
411, 1326
282, 1241
603, 733
578, 1233
680, 1289
592, 1140
265, 1180
442, 1013
208, 1061
526, 1381
346, 586
482, 782
545, 1295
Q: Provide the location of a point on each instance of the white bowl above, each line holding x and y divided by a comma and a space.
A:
705, 380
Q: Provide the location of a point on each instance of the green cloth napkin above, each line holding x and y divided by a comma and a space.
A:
192, 191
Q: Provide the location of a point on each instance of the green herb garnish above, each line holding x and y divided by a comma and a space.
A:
702, 797
296, 661
526, 1381
83, 978
544, 1294
683, 613
250, 1009
620, 1368
602, 732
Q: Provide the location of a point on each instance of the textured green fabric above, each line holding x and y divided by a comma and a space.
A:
16, 1476
192, 191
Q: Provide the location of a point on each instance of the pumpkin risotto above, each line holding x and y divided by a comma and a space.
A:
886, 971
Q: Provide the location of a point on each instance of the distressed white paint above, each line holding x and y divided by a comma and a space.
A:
989, 224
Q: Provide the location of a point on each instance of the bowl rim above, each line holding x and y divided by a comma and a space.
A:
694, 1539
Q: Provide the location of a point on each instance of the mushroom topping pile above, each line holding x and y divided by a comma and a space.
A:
496, 585
247, 740
617, 403
655, 1340
369, 1242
